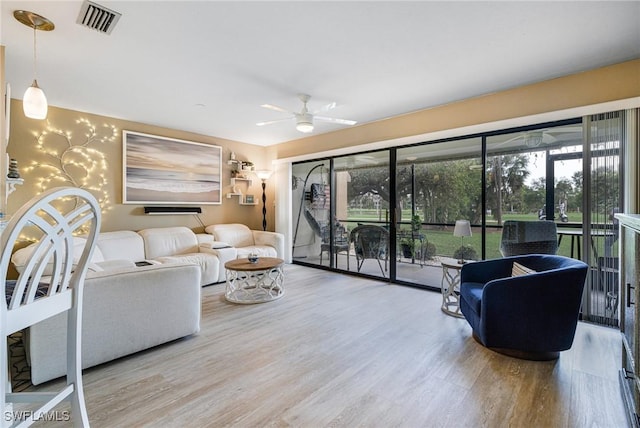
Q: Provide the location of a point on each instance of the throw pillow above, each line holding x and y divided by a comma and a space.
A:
519, 269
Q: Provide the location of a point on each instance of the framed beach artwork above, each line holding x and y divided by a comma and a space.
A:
169, 171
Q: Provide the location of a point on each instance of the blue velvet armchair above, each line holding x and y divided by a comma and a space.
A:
532, 316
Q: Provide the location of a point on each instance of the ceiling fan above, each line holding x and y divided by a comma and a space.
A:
532, 139
304, 119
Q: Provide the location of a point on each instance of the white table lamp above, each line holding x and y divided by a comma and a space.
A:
462, 229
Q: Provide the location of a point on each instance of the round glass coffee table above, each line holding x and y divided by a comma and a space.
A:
257, 282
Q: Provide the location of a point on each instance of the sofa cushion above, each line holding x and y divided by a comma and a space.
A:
22, 256
209, 265
168, 241
112, 265
121, 244
260, 250
235, 234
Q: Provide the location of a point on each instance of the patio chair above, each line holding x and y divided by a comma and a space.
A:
50, 283
528, 237
340, 238
371, 242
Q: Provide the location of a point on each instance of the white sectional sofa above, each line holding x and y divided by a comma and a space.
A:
142, 289
154, 246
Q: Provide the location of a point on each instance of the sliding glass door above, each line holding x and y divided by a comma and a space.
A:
311, 204
394, 213
341, 213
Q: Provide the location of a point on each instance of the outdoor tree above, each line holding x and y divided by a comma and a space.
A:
605, 187
506, 176
448, 190
534, 195
370, 183
563, 191
576, 199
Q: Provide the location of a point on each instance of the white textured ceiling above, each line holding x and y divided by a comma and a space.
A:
207, 66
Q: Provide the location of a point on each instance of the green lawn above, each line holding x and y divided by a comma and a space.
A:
446, 244
365, 215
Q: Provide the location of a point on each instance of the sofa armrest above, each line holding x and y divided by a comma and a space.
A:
124, 312
224, 255
273, 239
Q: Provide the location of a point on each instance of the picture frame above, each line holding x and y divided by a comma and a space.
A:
248, 199
162, 170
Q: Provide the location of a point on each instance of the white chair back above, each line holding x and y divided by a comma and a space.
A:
50, 283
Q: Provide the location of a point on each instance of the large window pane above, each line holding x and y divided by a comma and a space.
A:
534, 175
437, 184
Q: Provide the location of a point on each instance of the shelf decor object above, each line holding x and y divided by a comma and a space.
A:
165, 170
264, 175
13, 169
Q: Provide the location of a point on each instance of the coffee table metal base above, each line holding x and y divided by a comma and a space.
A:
248, 287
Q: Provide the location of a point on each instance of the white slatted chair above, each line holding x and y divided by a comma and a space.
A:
51, 282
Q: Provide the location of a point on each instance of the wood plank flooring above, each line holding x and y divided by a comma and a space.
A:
338, 351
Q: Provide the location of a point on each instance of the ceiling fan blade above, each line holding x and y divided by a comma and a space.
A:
335, 120
269, 122
276, 108
548, 138
510, 140
326, 108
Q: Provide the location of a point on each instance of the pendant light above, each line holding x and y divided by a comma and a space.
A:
34, 102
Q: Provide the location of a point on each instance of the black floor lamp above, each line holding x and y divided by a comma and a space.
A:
264, 176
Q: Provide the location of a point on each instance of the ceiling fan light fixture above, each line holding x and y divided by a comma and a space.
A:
34, 102
304, 119
304, 123
533, 138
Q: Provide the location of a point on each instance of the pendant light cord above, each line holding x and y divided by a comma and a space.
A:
35, 63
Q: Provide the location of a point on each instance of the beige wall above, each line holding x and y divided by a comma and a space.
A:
23, 147
602, 85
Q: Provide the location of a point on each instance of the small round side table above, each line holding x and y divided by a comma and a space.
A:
450, 286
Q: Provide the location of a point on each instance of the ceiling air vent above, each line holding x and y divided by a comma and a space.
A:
97, 17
